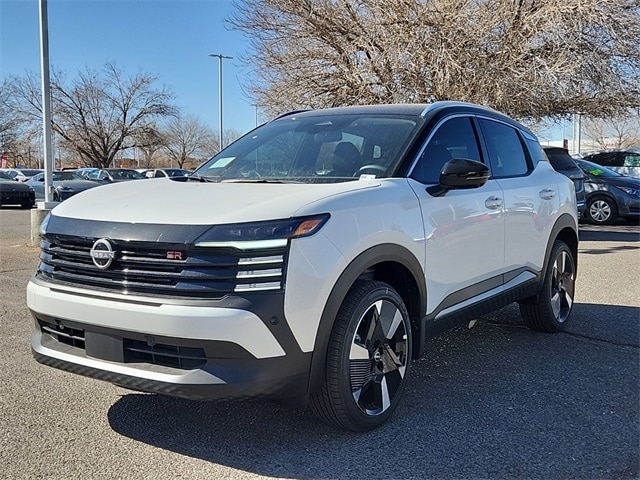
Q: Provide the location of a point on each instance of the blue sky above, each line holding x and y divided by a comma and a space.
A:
169, 39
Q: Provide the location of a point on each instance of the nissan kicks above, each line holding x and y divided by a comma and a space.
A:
310, 260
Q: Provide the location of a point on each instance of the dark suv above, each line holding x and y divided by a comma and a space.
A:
562, 162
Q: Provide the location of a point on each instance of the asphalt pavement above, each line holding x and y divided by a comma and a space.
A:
493, 401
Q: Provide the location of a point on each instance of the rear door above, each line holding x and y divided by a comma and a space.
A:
531, 198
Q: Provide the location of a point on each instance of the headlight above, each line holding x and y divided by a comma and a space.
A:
64, 188
259, 235
630, 191
43, 226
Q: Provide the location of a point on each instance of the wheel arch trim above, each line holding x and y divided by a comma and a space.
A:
564, 229
379, 254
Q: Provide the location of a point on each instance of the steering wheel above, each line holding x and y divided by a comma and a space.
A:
373, 166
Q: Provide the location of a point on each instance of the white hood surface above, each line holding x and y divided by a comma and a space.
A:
158, 201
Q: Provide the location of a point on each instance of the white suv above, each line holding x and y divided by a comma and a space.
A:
310, 260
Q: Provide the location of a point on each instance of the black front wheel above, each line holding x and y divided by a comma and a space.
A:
368, 359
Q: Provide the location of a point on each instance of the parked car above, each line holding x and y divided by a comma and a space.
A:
562, 162
622, 160
166, 172
609, 194
109, 175
85, 171
30, 172
17, 174
65, 185
309, 261
15, 193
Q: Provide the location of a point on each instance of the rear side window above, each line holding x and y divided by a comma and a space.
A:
506, 154
607, 159
632, 160
536, 153
455, 138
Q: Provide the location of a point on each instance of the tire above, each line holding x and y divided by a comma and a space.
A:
551, 312
368, 358
26, 205
601, 210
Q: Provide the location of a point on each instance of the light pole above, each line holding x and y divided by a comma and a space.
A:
220, 57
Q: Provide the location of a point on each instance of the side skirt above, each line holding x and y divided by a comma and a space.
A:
463, 312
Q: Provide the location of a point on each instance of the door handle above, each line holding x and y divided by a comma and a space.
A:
547, 194
493, 203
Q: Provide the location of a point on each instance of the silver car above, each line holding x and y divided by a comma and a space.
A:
65, 185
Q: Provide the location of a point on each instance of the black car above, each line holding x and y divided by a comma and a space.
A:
563, 163
15, 193
622, 160
609, 195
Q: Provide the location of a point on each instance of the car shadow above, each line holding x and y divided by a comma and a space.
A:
620, 232
473, 407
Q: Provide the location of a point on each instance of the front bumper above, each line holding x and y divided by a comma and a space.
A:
194, 352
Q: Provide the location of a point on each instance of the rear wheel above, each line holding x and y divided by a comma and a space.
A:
550, 312
368, 358
602, 211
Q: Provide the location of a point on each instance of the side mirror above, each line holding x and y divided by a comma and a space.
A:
41, 180
460, 173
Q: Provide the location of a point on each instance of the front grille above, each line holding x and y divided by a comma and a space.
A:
170, 270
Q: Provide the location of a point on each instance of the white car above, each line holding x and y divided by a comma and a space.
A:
310, 260
20, 175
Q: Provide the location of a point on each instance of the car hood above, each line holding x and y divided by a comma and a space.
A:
629, 182
158, 201
13, 186
75, 184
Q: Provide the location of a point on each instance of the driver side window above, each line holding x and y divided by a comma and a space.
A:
455, 138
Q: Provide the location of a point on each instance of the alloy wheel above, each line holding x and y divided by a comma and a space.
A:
378, 357
562, 286
600, 211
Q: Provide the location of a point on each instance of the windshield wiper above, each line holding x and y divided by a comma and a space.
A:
192, 178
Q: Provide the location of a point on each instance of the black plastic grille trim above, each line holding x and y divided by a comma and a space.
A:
135, 351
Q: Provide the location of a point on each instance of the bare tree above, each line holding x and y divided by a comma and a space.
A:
150, 142
9, 123
619, 132
528, 58
100, 113
186, 138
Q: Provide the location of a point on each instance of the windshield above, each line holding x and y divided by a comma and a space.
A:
317, 148
123, 173
596, 170
64, 176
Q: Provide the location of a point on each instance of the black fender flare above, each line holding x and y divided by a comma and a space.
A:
375, 255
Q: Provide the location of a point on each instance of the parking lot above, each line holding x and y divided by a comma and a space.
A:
494, 401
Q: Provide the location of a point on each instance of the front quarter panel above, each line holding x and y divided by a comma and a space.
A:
360, 220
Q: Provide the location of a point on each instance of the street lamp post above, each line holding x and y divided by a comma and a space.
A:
220, 57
